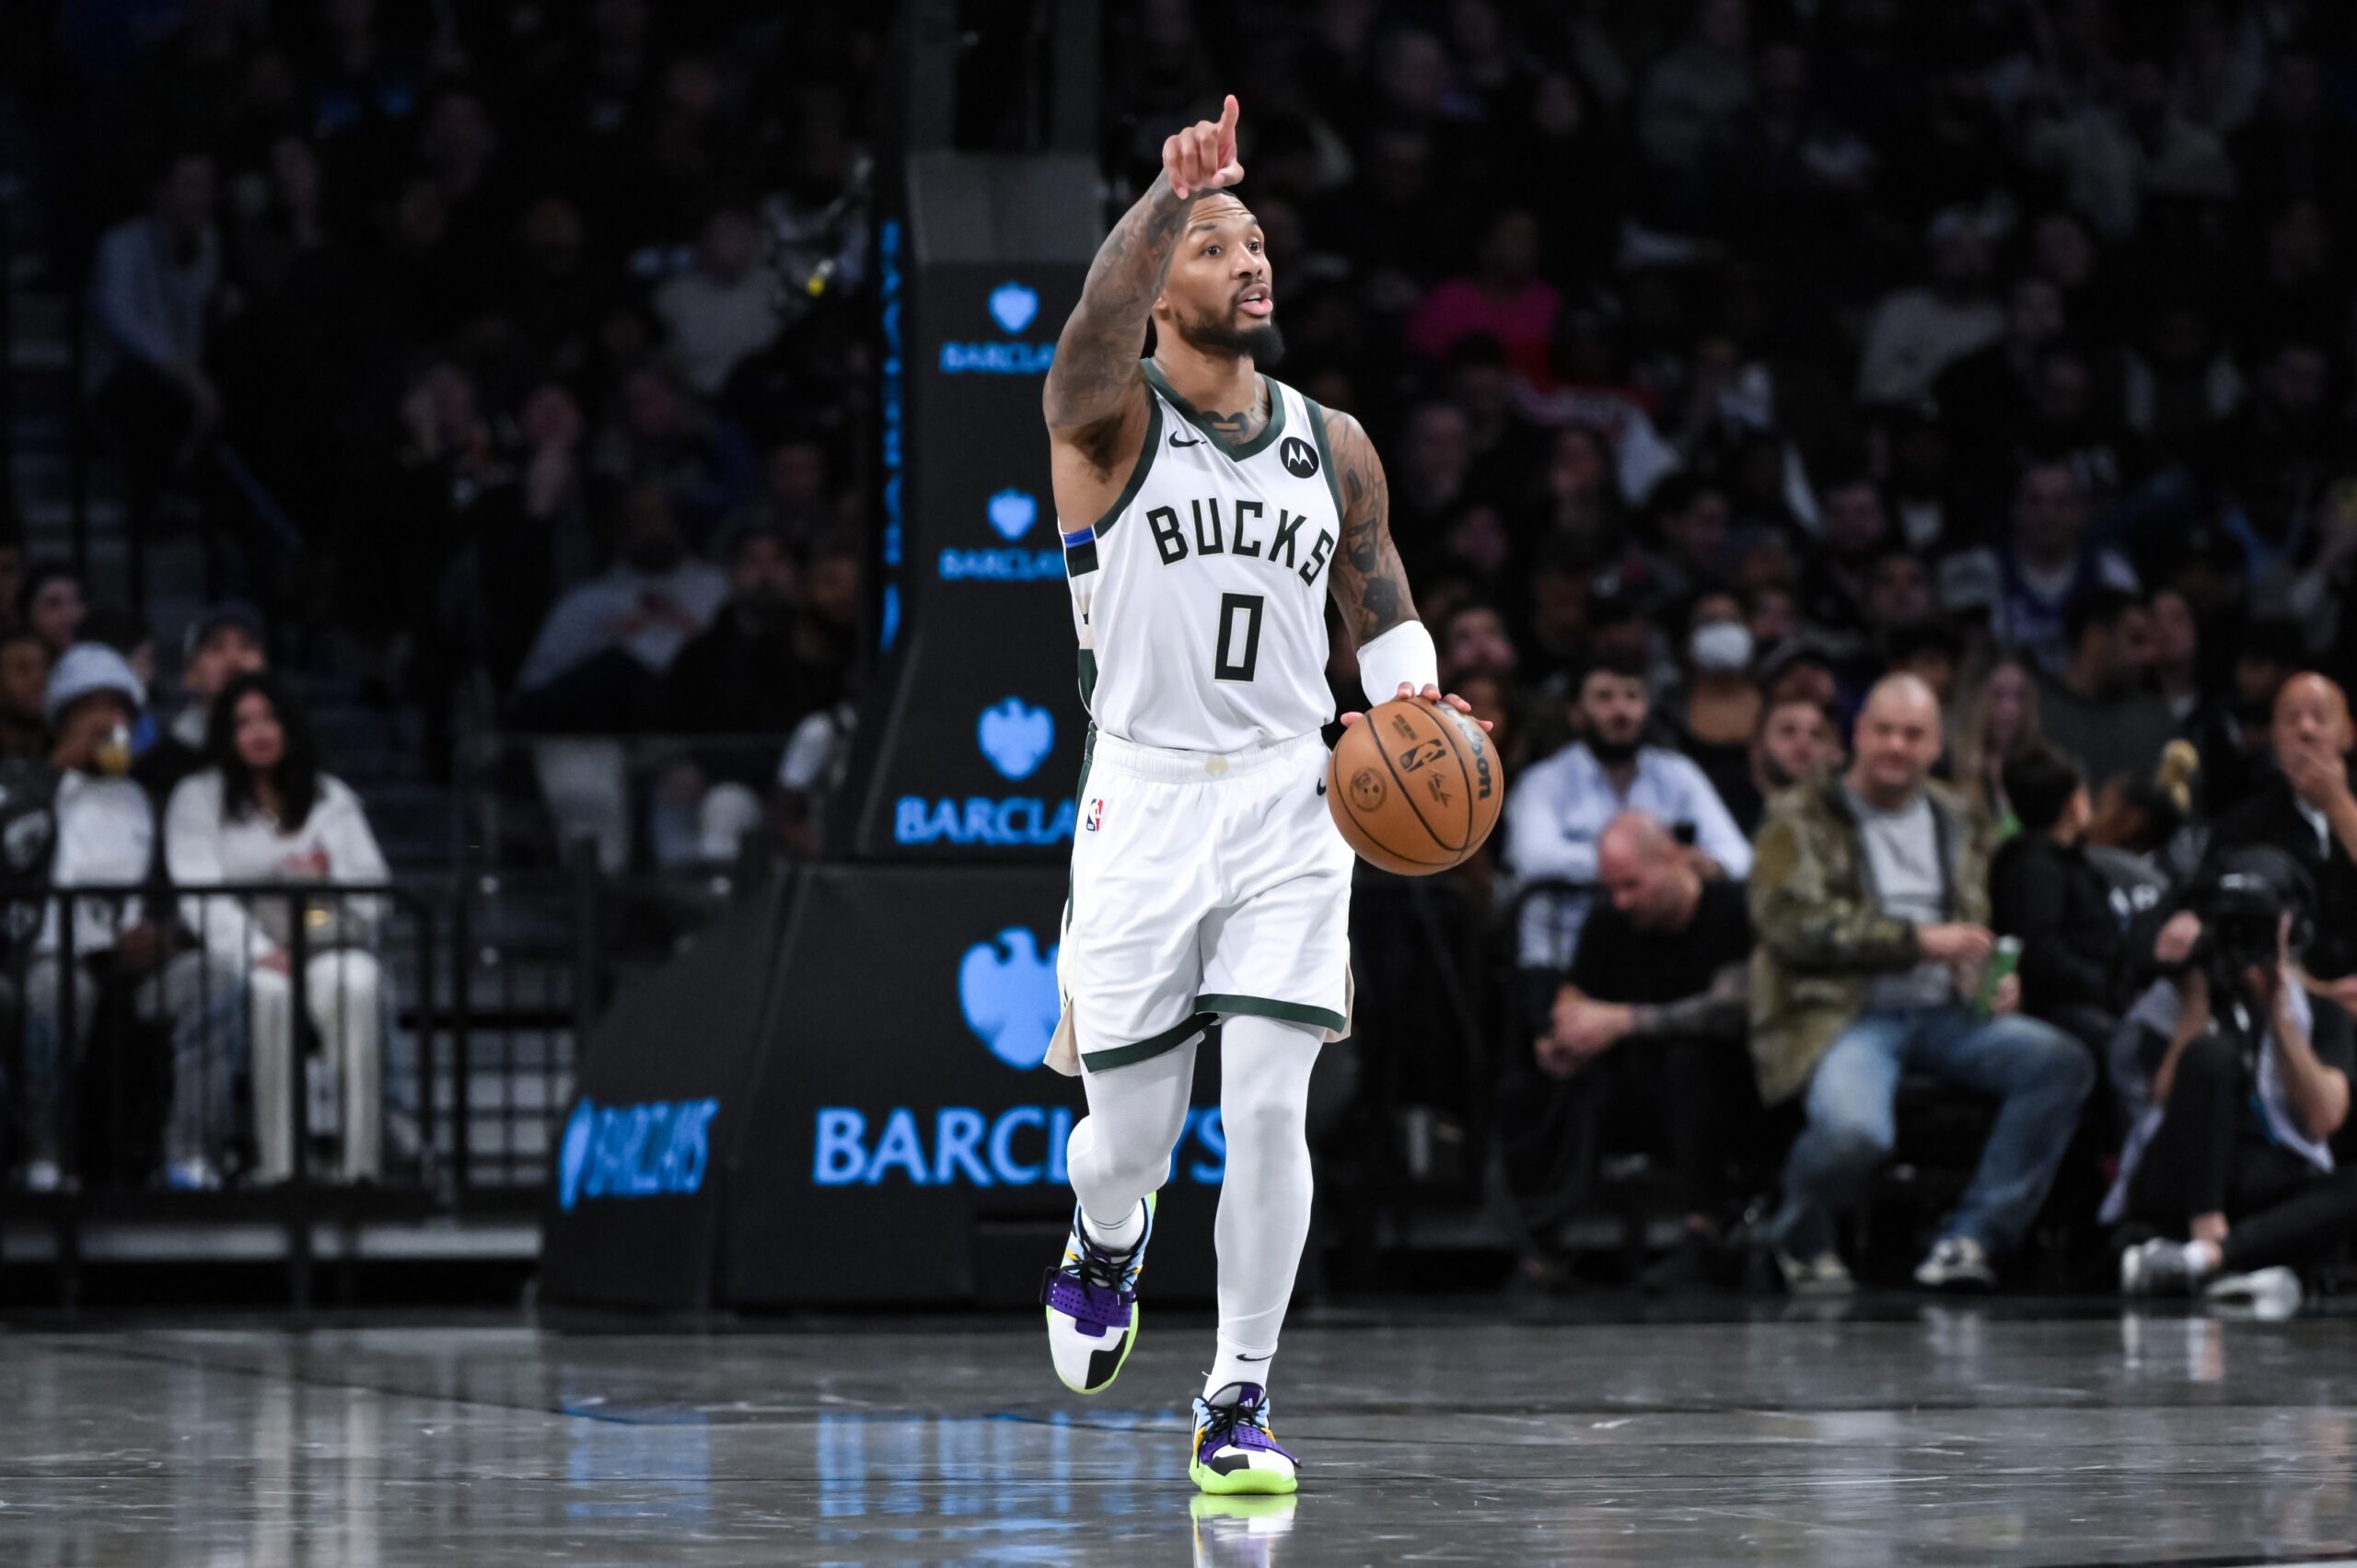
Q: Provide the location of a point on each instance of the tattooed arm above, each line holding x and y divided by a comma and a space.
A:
1396, 653
1094, 414
1369, 582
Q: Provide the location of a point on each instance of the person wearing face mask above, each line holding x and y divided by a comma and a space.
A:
1715, 709
104, 835
598, 663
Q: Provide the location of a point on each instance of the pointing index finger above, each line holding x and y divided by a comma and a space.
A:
1227, 117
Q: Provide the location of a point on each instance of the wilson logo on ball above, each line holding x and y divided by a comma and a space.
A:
1366, 789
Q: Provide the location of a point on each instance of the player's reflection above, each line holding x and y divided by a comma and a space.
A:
1240, 1532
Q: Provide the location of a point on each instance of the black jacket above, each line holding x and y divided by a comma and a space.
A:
2061, 907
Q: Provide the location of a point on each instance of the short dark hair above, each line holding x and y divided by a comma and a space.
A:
2040, 784
1625, 666
2102, 606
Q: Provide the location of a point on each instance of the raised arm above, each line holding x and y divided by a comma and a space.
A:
1091, 397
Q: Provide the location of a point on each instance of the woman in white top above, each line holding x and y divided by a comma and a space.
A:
263, 811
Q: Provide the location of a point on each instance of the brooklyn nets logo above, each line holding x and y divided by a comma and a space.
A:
1299, 458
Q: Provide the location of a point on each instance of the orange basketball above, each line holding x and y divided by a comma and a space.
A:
1415, 788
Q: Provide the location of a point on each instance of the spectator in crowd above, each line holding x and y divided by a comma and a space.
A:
725, 307
153, 298
24, 688
1715, 710
2175, 662
2046, 893
2000, 723
52, 601
262, 811
1557, 810
2233, 728
1650, 1022
1502, 299
2045, 565
2098, 710
598, 663
1870, 897
2308, 813
224, 641
1798, 739
2239, 1100
1916, 334
742, 674
104, 836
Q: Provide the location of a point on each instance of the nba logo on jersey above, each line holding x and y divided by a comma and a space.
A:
1096, 817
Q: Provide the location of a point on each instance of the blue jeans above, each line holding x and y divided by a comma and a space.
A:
2040, 1073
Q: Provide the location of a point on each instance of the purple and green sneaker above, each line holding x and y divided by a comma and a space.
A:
1235, 1451
1092, 1302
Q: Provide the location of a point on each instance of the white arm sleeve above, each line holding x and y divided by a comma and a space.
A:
1403, 654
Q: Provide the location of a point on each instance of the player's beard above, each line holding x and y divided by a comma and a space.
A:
1262, 345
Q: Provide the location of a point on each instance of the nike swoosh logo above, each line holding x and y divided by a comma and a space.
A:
1321, 786
1255, 1357
1176, 442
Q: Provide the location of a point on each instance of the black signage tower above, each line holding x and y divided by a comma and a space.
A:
968, 742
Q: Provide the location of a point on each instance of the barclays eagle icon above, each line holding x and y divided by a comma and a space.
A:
1012, 513
1012, 307
1017, 737
1006, 988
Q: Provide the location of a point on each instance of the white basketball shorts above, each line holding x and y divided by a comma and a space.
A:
1203, 885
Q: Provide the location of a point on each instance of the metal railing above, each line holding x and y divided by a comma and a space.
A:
287, 1054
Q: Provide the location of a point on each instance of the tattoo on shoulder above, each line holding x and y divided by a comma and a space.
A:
1370, 583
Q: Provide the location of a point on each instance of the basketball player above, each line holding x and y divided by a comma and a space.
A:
1207, 512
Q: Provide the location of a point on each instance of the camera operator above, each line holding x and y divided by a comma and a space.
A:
2244, 1084
2308, 812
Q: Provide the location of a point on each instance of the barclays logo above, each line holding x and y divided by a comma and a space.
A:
1012, 307
660, 1149
1017, 737
1010, 998
1013, 513
978, 819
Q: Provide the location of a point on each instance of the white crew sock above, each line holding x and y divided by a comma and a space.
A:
1233, 1365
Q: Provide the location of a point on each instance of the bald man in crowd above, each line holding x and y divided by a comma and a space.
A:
1649, 1028
2308, 812
1870, 894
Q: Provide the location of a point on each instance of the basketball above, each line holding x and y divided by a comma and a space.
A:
1415, 788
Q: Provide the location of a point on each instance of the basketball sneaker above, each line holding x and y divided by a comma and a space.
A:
1092, 1303
1235, 1451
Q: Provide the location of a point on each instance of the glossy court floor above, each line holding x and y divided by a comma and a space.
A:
1927, 1437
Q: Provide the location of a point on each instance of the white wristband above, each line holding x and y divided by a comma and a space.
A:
1404, 655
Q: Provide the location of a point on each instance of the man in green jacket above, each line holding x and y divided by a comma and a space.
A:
1870, 895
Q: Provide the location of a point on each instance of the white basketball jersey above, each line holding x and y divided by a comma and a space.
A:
1201, 597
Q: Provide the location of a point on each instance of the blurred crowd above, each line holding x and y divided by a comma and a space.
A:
516, 351
1732, 361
